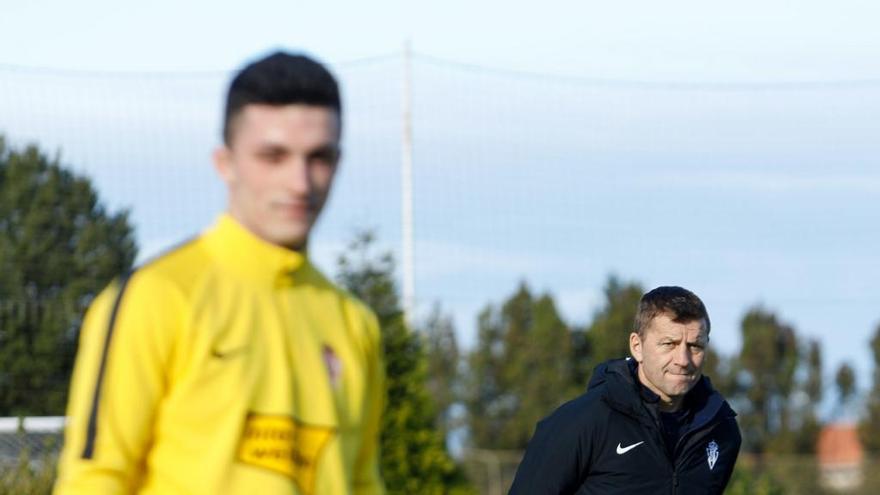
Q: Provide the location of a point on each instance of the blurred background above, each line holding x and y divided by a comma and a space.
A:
565, 158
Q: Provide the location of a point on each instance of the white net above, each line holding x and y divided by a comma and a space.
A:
741, 191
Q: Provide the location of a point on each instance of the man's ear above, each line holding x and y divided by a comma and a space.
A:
635, 347
223, 164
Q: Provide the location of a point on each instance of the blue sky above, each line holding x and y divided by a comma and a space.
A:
753, 195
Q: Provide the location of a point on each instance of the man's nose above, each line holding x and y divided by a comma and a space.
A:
683, 355
296, 175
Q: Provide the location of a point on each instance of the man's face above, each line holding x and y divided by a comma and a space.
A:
670, 357
278, 169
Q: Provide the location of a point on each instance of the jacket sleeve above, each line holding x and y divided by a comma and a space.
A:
557, 458
367, 477
736, 437
118, 380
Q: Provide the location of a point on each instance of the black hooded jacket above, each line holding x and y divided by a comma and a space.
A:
610, 441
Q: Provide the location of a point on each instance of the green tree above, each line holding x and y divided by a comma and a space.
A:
59, 247
808, 434
845, 379
487, 397
768, 359
813, 386
720, 370
414, 457
541, 367
581, 357
608, 334
869, 428
443, 362
776, 386
519, 371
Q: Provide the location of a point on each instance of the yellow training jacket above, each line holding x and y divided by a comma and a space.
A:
228, 366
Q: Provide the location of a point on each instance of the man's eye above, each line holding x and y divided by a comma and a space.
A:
667, 344
324, 157
271, 157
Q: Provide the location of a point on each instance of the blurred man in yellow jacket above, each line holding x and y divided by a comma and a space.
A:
230, 364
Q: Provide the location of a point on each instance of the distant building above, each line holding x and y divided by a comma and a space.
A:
840, 455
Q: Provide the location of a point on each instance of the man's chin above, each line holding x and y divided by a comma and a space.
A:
290, 238
682, 384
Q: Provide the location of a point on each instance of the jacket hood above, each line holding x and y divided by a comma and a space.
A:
620, 367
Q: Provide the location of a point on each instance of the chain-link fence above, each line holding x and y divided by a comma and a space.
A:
29, 450
34, 438
491, 471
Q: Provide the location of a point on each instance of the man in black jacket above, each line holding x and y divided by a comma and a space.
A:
647, 424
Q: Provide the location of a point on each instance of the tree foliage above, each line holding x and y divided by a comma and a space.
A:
869, 428
845, 379
59, 247
716, 367
443, 366
777, 404
414, 457
519, 372
808, 433
813, 386
608, 334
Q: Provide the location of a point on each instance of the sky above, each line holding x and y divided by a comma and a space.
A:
727, 148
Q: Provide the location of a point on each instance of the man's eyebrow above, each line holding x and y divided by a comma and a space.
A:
328, 152
325, 148
272, 147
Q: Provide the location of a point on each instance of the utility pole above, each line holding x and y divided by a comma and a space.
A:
406, 185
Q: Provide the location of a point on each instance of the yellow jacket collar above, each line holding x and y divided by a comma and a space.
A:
235, 244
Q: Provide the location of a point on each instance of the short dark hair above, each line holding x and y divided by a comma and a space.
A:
280, 79
682, 305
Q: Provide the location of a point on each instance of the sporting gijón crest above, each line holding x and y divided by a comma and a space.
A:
333, 364
712, 454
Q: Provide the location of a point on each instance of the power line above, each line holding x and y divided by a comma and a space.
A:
89, 73
370, 60
628, 84
167, 74
595, 82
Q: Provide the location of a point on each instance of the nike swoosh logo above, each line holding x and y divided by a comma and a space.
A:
624, 450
